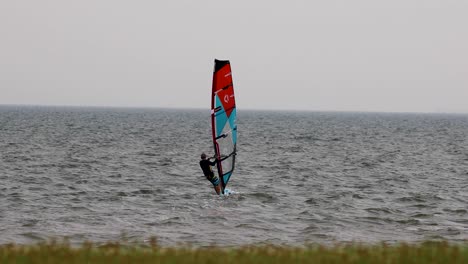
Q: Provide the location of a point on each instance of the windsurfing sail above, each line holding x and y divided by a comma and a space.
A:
223, 120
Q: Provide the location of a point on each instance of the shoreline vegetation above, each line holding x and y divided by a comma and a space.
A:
54, 251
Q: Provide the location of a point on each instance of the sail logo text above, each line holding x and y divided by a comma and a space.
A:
226, 98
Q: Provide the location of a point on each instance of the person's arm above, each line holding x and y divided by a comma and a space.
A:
212, 163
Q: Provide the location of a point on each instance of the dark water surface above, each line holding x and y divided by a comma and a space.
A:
96, 173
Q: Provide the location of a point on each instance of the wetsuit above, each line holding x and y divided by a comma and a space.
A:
206, 167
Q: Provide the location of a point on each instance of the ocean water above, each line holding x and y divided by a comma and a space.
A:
104, 174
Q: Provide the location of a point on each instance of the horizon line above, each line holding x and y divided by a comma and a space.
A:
244, 109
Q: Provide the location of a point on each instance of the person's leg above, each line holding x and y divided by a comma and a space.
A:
215, 182
217, 189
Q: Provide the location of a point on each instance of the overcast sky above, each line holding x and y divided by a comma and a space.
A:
342, 55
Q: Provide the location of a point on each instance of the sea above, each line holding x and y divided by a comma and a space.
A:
132, 174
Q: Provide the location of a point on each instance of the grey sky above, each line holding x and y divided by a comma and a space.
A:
361, 55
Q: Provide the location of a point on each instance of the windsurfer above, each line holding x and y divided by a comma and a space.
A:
205, 165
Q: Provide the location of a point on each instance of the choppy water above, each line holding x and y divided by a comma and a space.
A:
93, 174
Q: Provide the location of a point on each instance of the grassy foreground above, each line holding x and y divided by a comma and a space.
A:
62, 252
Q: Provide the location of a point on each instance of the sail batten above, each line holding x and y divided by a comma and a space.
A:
223, 118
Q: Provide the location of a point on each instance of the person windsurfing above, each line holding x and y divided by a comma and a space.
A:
205, 165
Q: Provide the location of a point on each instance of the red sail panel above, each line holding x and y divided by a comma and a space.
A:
222, 85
